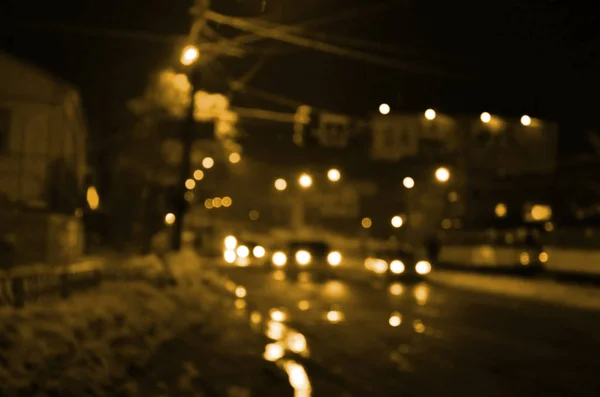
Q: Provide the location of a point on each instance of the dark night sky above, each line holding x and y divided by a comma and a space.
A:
535, 57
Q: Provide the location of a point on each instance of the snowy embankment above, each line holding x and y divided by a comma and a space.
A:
536, 289
99, 343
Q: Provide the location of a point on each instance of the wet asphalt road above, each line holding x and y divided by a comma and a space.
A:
375, 339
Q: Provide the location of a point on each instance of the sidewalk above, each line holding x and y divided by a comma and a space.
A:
132, 339
539, 289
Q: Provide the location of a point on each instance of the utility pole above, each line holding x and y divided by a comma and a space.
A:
187, 131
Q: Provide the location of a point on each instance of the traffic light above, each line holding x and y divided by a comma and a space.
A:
306, 126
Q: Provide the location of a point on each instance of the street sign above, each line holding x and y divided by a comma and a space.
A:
394, 137
342, 203
334, 130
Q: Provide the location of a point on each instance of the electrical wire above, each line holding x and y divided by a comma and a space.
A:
350, 14
106, 32
281, 35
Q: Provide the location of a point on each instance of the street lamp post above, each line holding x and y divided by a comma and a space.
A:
189, 59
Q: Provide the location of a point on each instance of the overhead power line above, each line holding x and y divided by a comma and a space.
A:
359, 12
279, 33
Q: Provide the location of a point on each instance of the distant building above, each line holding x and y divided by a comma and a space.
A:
43, 137
489, 158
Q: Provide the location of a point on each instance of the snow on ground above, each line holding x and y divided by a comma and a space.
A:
98, 343
546, 290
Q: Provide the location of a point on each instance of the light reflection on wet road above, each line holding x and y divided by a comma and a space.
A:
338, 338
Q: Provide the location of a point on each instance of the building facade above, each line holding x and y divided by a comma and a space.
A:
43, 136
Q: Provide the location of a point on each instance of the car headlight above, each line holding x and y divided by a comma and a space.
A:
334, 258
279, 259
397, 267
229, 256
258, 251
230, 242
303, 257
379, 266
243, 251
423, 267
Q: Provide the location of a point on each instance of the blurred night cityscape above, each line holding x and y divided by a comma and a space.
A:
333, 198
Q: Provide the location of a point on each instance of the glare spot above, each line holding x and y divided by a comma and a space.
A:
501, 210
396, 289
275, 330
92, 197
274, 351
229, 256
418, 326
254, 215
280, 184
485, 117
366, 223
240, 292
255, 317
408, 182
208, 162
190, 184
230, 242
235, 158
189, 55
334, 175
243, 251
442, 174
277, 315
240, 304
170, 218
334, 316
226, 201
258, 251
421, 294
296, 342
384, 108
395, 319
198, 175
430, 114
526, 120
304, 305
397, 221
305, 181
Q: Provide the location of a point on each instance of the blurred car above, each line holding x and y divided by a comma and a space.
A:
312, 256
399, 263
244, 253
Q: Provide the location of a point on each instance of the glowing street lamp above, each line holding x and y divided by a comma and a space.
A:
485, 117
208, 162
526, 120
397, 222
334, 175
234, 158
430, 114
384, 108
170, 218
305, 181
442, 174
280, 184
408, 182
190, 184
189, 55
